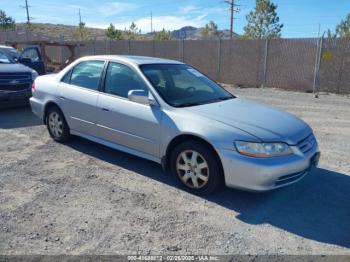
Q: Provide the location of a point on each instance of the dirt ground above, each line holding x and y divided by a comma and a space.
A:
84, 198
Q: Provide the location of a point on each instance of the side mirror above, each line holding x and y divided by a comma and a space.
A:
140, 96
24, 60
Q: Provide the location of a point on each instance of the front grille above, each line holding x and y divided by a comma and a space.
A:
13, 88
307, 143
13, 82
15, 76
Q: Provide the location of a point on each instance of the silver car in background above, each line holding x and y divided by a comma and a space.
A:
170, 113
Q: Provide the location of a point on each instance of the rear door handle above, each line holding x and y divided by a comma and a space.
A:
105, 109
62, 97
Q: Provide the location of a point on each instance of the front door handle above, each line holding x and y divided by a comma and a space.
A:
105, 109
62, 97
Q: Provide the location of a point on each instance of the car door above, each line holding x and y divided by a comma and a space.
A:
31, 57
78, 92
121, 121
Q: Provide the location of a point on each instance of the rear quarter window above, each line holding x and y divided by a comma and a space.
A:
66, 78
87, 74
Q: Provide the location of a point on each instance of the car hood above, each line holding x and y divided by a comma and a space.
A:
14, 68
264, 122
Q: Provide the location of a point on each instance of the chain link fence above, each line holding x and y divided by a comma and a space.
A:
291, 63
334, 72
308, 65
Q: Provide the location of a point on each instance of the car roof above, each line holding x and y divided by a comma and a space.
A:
138, 60
6, 47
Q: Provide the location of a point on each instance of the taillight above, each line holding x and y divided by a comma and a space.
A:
33, 86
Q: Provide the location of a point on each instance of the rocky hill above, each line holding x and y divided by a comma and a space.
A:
193, 33
56, 31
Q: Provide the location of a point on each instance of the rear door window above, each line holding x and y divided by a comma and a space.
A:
87, 74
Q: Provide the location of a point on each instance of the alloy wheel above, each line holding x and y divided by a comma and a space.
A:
56, 124
192, 169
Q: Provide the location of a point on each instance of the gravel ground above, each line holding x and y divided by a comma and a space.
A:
84, 198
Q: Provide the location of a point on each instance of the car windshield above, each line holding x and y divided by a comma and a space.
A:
4, 58
13, 53
181, 85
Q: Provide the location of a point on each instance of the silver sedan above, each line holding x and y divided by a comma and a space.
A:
170, 113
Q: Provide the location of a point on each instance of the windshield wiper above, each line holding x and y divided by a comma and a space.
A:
189, 104
218, 99
225, 98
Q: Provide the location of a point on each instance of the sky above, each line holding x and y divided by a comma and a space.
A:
301, 18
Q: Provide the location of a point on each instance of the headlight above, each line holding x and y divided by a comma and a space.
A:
34, 75
263, 149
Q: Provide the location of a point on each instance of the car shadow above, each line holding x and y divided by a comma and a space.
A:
18, 117
316, 208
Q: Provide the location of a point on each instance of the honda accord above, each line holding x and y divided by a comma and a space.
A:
171, 113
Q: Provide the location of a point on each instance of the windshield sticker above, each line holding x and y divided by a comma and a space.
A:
195, 72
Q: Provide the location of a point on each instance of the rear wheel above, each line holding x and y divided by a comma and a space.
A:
197, 167
57, 125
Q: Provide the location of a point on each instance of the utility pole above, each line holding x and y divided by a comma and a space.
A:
232, 5
151, 23
28, 27
79, 17
26, 6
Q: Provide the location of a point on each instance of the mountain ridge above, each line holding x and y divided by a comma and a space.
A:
59, 31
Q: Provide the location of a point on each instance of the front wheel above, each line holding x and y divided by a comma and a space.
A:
57, 125
197, 167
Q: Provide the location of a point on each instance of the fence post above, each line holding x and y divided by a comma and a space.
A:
180, 42
219, 62
182, 50
341, 66
7, 36
94, 45
62, 62
27, 38
266, 53
315, 86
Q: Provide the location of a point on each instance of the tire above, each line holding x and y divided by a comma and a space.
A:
57, 125
196, 167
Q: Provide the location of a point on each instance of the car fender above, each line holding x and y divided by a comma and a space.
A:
215, 133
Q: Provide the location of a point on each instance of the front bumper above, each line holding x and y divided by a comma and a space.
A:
12, 98
263, 174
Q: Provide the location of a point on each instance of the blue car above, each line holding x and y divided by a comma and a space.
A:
17, 73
